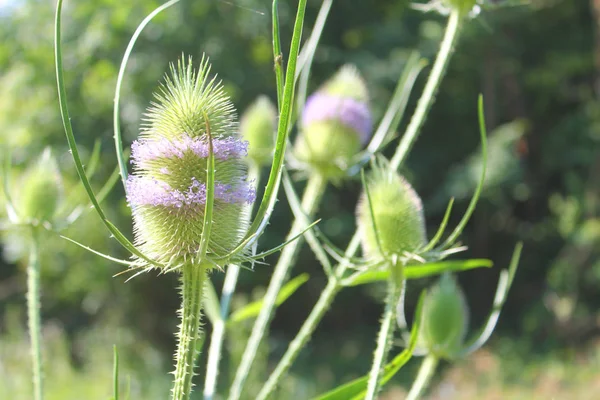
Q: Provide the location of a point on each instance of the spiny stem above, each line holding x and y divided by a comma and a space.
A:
431, 87
33, 314
218, 333
386, 332
426, 371
193, 279
312, 196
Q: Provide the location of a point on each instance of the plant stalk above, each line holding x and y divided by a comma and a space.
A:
425, 374
386, 331
218, 333
193, 280
431, 87
33, 314
312, 196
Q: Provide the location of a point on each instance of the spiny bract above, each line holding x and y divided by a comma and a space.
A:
395, 210
336, 123
167, 190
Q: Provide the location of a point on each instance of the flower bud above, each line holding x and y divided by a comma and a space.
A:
464, 6
167, 191
395, 210
336, 123
445, 319
258, 126
40, 190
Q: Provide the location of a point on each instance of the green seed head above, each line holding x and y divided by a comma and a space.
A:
445, 319
336, 123
258, 126
390, 219
40, 190
168, 189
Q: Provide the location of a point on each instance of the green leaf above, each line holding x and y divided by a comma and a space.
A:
251, 310
419, 271
356, 389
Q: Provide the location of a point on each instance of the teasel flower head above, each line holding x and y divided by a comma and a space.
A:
259, 127
167, 190
40, 190
389, 215
444, 319
336, 123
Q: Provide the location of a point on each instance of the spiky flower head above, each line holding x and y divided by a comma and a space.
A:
390, 216
336, 123
40, 190
259, 126
168, 188
445, 319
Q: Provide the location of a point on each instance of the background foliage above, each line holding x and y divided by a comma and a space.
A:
536, 65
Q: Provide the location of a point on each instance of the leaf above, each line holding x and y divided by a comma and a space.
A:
418, 271
251, 310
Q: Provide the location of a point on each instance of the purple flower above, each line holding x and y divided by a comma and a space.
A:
352, 113
148, 191
145, 150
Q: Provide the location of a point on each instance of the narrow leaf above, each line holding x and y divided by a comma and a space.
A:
419, 271
251, 310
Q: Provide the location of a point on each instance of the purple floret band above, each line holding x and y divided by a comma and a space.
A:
147, 191
350, 112
145, 150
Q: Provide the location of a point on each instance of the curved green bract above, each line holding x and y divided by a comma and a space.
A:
66, 119
268, 201
465, 219
117, 125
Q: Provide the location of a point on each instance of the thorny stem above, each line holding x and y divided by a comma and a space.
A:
334, 285
218, 333
312, 196
33, 311
193, 280
426, 371
386, 331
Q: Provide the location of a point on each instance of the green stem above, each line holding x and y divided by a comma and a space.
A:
334, 285
301, 338
312, 196
425, 374
33, 313
386, 332
218, 333
193, 279
431, 87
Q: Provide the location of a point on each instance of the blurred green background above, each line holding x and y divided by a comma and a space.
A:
537, 67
